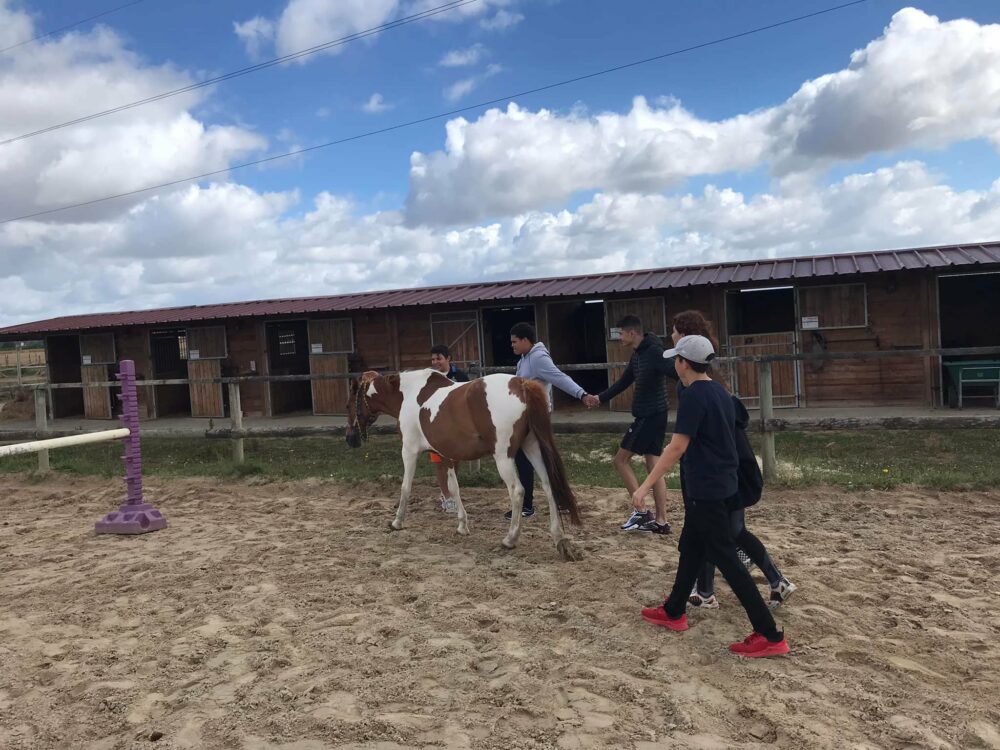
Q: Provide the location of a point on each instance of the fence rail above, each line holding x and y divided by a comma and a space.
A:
767, 424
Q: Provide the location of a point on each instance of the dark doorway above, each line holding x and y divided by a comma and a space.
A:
497, 322
576, 337
760, 311
168, 349
288, 354
969, 308
64, 367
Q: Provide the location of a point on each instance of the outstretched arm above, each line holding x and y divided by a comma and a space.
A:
547, 371
667, 460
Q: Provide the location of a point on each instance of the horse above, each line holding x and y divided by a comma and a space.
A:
496, 415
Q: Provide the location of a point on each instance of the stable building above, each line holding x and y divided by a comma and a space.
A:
910, 299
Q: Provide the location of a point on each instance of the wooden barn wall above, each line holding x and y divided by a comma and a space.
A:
247, 357
133, 343
374, 341
414, 337
898, 319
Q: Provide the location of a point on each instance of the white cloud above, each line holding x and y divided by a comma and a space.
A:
56, 81
459, 58
502, 20
15, 26
465, 86
257, 35
228, 242
376, 103
922, 84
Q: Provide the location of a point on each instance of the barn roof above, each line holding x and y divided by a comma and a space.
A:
750, 272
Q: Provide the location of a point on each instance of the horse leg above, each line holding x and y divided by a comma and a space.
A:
463, 519
409, 469
508, 473
562, 542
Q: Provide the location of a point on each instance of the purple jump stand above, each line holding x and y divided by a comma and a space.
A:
135, 516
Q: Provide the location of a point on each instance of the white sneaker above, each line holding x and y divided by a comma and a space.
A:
448, 504
702, 602
781, 592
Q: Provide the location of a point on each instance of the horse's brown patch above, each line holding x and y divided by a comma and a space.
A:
463, 428
434, 383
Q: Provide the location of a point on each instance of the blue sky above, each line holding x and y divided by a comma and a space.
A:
726, 136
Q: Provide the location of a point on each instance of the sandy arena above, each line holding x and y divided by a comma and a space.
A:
285, 615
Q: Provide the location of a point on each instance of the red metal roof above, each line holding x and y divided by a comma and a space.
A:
736, 272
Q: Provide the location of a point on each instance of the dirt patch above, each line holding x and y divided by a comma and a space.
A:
285, 615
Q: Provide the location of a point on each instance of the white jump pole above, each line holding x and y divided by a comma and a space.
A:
64, 442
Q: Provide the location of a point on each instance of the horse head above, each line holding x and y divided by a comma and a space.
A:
369, 396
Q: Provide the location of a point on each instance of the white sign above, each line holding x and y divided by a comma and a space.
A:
317, 348
616, 334
810, 322
86, 359
194, 354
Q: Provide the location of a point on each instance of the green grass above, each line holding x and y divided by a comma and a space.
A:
876, 459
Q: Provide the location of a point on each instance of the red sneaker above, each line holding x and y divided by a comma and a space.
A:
658, 616
756, 646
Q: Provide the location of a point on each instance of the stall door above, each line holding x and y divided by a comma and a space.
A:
330, 343
652, 312
784, 375
206, 398
97, 356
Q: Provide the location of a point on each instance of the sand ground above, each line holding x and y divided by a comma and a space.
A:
285, 615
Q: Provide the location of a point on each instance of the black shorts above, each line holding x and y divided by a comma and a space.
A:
645, 436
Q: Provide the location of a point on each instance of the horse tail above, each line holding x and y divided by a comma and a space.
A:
540, 424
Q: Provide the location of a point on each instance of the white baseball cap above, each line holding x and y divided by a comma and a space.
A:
694, 349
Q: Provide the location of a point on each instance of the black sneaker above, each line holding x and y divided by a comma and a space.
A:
636, 520
525, 513
652, 527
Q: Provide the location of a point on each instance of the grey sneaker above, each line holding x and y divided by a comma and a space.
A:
781, 593
702, 602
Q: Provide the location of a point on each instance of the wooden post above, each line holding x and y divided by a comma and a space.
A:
766, 414
17, 358
236, 416
42, 426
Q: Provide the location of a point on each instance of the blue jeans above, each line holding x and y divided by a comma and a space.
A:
526, 473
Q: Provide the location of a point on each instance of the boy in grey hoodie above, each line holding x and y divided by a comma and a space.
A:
536, 364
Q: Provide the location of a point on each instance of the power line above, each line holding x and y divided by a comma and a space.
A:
441, 115
251, 68
71, 25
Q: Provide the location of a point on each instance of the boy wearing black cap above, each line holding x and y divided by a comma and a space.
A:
704, 440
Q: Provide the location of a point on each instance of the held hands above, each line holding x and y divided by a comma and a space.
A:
591, 401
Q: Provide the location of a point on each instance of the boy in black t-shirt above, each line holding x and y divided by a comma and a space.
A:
704, 441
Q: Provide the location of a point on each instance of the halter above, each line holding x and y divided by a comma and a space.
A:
361, 397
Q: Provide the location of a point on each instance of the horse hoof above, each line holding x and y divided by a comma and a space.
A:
568, 552
394, 527
508, 544
463, 530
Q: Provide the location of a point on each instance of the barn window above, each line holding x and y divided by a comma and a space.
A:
833, 306
286, 344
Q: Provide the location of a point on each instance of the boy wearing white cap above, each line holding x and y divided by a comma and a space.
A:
704, 440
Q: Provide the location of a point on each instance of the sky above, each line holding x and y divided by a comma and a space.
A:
875, 126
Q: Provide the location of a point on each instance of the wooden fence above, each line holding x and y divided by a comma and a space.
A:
767, 424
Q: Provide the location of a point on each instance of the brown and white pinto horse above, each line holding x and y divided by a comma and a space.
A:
495, 415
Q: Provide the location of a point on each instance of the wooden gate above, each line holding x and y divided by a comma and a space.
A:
784, 375
459, 331
652, 312
206, 348
97, 356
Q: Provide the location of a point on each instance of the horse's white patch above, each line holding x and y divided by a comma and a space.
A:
371, 389
505, 409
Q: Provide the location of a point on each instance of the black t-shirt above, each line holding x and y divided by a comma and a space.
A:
706, 415
457, 376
